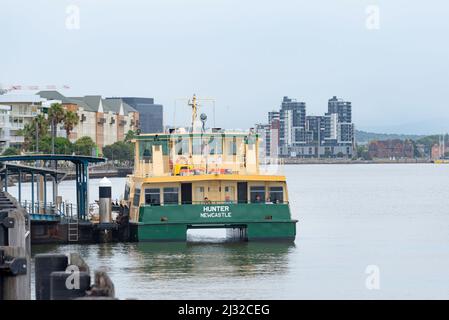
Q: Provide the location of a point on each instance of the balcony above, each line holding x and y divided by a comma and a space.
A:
101, 120
17, 139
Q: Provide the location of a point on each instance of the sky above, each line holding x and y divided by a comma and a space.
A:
390, 58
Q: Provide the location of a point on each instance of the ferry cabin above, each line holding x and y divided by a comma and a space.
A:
179, 179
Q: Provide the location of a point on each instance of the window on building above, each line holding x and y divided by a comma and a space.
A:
276, 194
152, 196
171, 195
136, 199
126, 194
257, 194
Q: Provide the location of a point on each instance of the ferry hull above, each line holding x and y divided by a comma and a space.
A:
251, 222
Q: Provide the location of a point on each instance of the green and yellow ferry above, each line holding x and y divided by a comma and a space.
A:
205, 179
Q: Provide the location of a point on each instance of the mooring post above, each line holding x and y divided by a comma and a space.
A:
15, 252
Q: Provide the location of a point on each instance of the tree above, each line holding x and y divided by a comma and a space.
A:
30, 129
362, 152
129, 136
56, 114
63, 145
11, 152
119, 151
84, 146
70, 121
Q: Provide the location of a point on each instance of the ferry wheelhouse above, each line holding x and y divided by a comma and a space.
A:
205, 179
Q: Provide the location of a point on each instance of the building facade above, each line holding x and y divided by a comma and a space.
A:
105, 121
391, 149
151, 114
5, 137
23, 108
299, 135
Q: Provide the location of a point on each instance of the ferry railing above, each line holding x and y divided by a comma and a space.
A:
214, 203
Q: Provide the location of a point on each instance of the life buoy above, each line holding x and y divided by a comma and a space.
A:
182, 160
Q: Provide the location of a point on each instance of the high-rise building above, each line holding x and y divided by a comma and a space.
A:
151, 114
299, 135
292, 129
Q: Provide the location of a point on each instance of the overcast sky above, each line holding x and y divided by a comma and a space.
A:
246, 54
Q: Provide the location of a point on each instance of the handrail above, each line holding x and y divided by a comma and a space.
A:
212, 203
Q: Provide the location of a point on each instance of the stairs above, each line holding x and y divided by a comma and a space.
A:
73, 231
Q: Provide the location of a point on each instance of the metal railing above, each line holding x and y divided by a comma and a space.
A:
214, 203
63, 209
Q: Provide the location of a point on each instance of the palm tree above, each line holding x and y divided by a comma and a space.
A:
30, 132
56, 115
70, 121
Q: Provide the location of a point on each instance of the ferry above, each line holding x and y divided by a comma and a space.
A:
205, 178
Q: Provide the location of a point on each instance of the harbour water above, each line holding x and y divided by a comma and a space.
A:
353, 219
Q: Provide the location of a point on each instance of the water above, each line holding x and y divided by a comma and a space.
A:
394, 217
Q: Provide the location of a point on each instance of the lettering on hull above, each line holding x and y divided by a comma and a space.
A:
216, 212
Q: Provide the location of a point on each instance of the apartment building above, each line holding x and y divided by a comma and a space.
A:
291, 133
105, 121
5, 137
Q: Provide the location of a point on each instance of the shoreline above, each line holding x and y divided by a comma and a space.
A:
290, 161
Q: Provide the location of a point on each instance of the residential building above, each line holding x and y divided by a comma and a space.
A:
439, 150
5, 137
151, 114
105, 121
298, 135
23, 108
292, 117
391, 149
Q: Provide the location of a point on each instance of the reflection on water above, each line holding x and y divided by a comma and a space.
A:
228, 259
193, 263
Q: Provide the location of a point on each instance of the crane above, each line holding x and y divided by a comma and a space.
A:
5, 90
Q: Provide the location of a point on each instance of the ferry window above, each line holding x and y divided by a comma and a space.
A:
257, 194
276, 194
196, 146
200, 194
171, 195
136, 199
126, 194
229, 194
232, 150
146, 149
182, 146
152, 196
215, 145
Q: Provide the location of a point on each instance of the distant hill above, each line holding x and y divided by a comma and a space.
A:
363, 137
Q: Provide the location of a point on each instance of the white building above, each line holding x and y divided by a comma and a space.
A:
5, 137
24, 107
